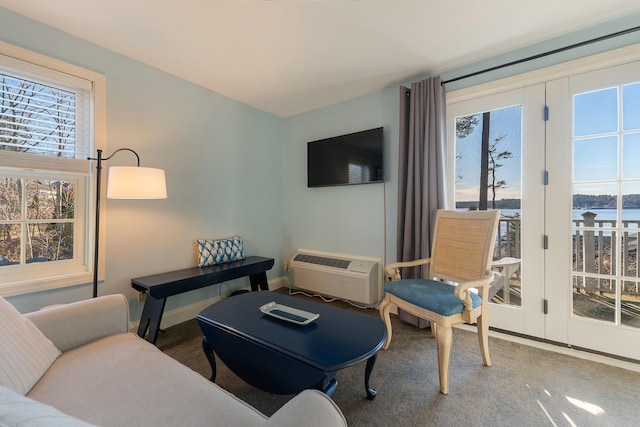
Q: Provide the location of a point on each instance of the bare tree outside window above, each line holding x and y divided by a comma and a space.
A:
36, 215
491, 157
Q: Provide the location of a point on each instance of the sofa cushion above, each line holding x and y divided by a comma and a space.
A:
25, 353
79, 323
122, 380
18, 410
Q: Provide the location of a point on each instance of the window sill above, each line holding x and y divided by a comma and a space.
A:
45, 284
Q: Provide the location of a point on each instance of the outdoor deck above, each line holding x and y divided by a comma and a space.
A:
594, 278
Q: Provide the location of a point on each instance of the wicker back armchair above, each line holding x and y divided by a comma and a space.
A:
461, 255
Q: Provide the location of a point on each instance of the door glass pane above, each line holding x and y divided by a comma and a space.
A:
631, 204
631, 156
593, 255
630, 293
606, 206
601, 199
595, 159
631, 106
488, 176
595, 112
630, 315
598, 307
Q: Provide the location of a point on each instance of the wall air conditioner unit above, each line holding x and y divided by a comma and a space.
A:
340, 276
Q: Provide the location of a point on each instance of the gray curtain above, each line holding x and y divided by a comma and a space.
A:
422, 169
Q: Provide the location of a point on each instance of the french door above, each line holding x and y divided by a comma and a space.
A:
570, 227
506, 132
593, 210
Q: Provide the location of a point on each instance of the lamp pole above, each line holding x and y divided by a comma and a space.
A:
97, 223
96, 240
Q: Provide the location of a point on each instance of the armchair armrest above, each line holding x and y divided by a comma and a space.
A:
72, 325
392, 271
461, 291
311, 408
462, 288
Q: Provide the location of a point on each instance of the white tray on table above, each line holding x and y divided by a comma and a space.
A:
289, 314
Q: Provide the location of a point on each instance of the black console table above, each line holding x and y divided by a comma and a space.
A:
160, 286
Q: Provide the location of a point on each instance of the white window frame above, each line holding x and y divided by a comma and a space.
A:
45, 276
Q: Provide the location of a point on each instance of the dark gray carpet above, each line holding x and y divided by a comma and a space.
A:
525, 386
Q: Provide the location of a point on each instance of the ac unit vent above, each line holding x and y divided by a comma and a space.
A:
340, 276
330, 262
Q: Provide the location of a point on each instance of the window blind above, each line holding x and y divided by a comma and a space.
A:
44, 118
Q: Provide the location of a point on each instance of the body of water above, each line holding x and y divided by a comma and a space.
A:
601, 214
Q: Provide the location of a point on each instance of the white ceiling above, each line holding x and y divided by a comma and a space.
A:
292, 56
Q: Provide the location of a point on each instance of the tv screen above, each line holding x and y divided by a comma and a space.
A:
355, 158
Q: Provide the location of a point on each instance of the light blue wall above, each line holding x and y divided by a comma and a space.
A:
222, 159
344, 219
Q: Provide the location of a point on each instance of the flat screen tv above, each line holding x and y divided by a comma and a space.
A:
355, 158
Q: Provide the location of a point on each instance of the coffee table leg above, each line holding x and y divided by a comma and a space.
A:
208, 351
330, 387
371, 392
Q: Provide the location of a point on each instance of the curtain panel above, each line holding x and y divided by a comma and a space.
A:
422, 170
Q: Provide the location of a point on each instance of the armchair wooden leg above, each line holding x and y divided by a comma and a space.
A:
385, 306
444, 339
433, 327
483, 337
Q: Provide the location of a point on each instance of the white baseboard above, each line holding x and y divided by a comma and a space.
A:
559, 349
188, 312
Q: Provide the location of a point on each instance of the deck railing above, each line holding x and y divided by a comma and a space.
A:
508, 238
594, 255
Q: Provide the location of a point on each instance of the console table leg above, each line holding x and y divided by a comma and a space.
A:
151, 317
259, 281
208, 351
371, 392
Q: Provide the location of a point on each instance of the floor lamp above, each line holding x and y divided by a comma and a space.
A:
125, 182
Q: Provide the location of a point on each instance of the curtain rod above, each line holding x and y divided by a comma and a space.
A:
542, 55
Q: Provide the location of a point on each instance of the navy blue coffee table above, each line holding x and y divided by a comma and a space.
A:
285, 358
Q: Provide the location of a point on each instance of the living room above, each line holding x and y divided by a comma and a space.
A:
235, 169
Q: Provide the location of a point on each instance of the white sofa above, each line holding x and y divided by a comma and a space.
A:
102, 374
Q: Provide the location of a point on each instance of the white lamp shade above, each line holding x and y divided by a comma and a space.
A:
135, 182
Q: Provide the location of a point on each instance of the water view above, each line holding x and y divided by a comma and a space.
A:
601, 214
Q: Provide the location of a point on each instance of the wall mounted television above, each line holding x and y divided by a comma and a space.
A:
355, 158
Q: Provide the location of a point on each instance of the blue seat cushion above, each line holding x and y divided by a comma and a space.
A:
431, 295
